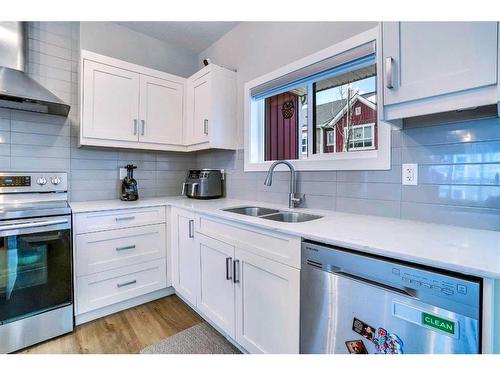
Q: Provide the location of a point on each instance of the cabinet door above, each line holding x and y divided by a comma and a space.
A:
216, 292
186, 257
201, 109
435, 58
267, 304
110, 102
160, 111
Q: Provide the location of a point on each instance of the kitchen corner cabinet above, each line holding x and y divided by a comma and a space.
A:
211, 109
185, 256
130, 106
452, 63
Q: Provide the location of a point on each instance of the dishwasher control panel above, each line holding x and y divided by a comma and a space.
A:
413, 279
440, 285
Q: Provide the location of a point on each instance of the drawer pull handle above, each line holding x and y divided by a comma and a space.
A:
125, 218
126, 283
125, 248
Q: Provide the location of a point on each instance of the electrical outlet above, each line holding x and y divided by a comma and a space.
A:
123, 173
410, 174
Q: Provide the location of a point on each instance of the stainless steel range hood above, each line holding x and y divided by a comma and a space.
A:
17, 89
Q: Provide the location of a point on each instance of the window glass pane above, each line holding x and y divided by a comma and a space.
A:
342, 104
368, 132
284, 125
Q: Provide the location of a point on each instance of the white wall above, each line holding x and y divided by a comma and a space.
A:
256, 48
117, 41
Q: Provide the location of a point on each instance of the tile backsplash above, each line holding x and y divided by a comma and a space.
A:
459, 178
459, 163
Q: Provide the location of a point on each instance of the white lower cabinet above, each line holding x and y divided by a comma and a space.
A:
120, 258
216, 292
185, 255
106, 288
267, 304
253, 299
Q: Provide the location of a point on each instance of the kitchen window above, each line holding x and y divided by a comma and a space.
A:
322, 113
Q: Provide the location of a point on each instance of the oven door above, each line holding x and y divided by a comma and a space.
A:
35, 266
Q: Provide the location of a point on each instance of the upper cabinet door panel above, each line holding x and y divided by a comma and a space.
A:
435, 58
201, 109
160, 111
110, 102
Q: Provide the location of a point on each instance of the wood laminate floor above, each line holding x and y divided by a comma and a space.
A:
125, 332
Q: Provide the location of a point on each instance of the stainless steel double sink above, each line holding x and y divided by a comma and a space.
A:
272, 214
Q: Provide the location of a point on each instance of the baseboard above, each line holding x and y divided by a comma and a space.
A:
108, 310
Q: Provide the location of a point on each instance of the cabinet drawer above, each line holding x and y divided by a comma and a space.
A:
109, 287
279, 247
105, 220
103, 251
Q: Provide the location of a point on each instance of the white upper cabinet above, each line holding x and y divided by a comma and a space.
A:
211, 109
129, 106
432, 67
111, 100
160, 111
201, 109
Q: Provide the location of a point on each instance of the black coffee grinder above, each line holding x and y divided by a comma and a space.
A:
129, 185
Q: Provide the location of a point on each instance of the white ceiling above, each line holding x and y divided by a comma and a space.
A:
195, 36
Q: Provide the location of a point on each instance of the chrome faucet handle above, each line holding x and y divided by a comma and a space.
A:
296, 199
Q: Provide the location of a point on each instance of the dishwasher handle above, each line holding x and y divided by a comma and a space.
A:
407, 292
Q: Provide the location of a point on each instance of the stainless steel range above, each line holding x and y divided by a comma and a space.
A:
36, 300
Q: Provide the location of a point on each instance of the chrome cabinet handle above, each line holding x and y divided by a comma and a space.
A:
205, 127
135, 126
124, 218
125, 248
388, 72
236, 264
228, 266
143, 126
191, 228
126, 283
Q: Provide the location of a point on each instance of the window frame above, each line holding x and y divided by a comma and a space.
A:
370, 159
328, 132
364, 148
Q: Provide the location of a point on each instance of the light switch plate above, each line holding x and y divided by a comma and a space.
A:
123, 173
409, 174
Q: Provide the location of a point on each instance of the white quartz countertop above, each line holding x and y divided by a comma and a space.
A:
469, 251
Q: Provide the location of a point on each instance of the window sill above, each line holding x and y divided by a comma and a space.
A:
366, 160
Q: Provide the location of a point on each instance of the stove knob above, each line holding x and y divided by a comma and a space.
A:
41, 181
55, 180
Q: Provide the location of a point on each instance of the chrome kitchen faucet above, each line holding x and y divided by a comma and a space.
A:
294, 199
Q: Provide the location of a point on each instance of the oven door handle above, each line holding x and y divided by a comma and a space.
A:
32, 224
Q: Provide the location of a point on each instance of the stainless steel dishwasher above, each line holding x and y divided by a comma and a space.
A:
356, 303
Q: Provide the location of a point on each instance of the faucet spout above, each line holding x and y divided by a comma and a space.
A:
293, 199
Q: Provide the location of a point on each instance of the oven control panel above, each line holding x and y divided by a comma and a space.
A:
26, 182
15, 181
